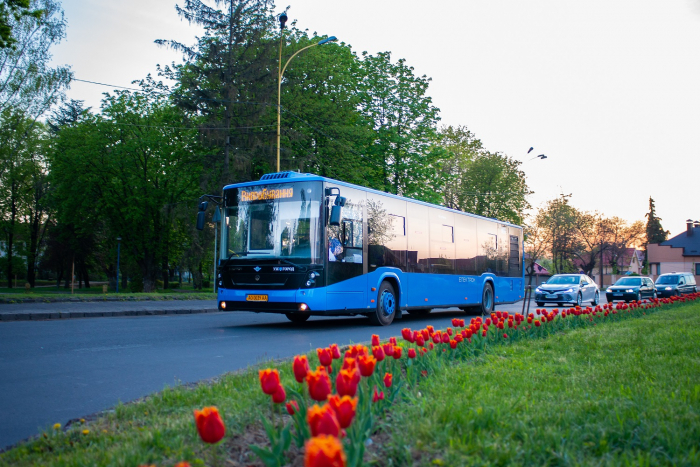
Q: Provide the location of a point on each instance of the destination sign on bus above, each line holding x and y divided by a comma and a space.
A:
265, 194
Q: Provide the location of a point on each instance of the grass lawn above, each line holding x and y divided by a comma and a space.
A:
95, 293
618, 393
625, 393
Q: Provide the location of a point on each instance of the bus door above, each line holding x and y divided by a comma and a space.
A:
347, 252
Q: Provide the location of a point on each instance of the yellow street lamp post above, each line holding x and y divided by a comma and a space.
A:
280, 73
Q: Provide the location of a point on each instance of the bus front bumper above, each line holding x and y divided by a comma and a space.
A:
310, 301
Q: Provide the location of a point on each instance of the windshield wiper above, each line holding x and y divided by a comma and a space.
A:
302, 268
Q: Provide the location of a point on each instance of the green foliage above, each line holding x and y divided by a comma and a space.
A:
655, 232
132, 166
11, 13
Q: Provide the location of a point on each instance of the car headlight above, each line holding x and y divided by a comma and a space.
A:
609, 290
538, 290
668, 288
629, 290
569, 290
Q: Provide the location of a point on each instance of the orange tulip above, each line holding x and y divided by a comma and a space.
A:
323, 421
346, 382
300, 367
344, 408
182, 464
319, 384
269, 381
324, 451
366, 364
325, 356
209, 425
349, 363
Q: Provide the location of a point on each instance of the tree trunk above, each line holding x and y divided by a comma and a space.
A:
84, 273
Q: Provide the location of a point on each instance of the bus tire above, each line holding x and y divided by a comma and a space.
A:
297, 317
386, 306
487, 301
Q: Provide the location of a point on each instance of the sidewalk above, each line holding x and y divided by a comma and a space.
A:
65, 310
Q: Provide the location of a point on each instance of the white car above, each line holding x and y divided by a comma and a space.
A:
568, 288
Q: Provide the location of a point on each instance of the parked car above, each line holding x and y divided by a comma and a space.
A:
675, 283
631, 288
568, 288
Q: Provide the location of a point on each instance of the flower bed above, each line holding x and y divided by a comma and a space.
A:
332, 411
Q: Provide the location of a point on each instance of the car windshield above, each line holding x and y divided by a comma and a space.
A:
667, 280
564, 280
629, 281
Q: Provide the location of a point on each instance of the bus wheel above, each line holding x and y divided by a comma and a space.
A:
487, 304
386, 306
297, 317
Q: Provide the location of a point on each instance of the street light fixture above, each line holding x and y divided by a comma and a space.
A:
280, 73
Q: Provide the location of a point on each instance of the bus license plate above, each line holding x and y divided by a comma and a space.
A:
551, 295
256, 298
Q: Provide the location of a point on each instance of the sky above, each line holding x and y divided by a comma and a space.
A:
608, 90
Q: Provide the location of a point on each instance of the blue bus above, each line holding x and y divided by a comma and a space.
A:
302, 245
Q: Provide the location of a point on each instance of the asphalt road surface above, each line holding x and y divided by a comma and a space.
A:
54, 371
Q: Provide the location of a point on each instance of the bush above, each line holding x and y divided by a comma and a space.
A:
206, 284
173, 285
136, 283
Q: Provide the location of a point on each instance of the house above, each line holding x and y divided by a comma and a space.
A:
628, 261
678, 254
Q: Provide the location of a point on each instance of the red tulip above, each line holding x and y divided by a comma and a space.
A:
292, 407
377, 396
324, 451
537, 323
344, 408
300, 367
387, 379
209, 425
346, 382
453, 344
279, 396
445, 338
366, 365
349, 363
407, 334
325, 356
375, 340
392, 340
322, 420
411, 353
388, 349
449, 331
319, 384
397, 353
378, 353
419, 340
335, 351
269, 381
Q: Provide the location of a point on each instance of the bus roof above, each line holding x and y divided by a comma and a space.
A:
286, 177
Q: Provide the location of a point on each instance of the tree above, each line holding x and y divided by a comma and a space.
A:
558, 221
404, 122
228, 80
537, 242
130, 166
461, 147
654, 232
11, 13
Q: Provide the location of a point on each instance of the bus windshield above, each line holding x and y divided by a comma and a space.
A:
274, 222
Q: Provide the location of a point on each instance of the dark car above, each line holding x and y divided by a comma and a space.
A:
571, 288
675, 283
631, 288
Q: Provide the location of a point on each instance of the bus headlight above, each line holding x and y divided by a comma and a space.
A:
223, 305
311, 278
303, 307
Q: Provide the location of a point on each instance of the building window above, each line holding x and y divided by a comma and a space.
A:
697, 269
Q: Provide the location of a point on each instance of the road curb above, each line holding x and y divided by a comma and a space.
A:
46, 316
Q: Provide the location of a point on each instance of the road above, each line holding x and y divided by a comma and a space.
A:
57, 370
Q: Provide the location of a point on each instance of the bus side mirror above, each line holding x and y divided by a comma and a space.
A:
335, 215
200, 220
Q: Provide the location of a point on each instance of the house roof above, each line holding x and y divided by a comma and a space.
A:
690, 244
